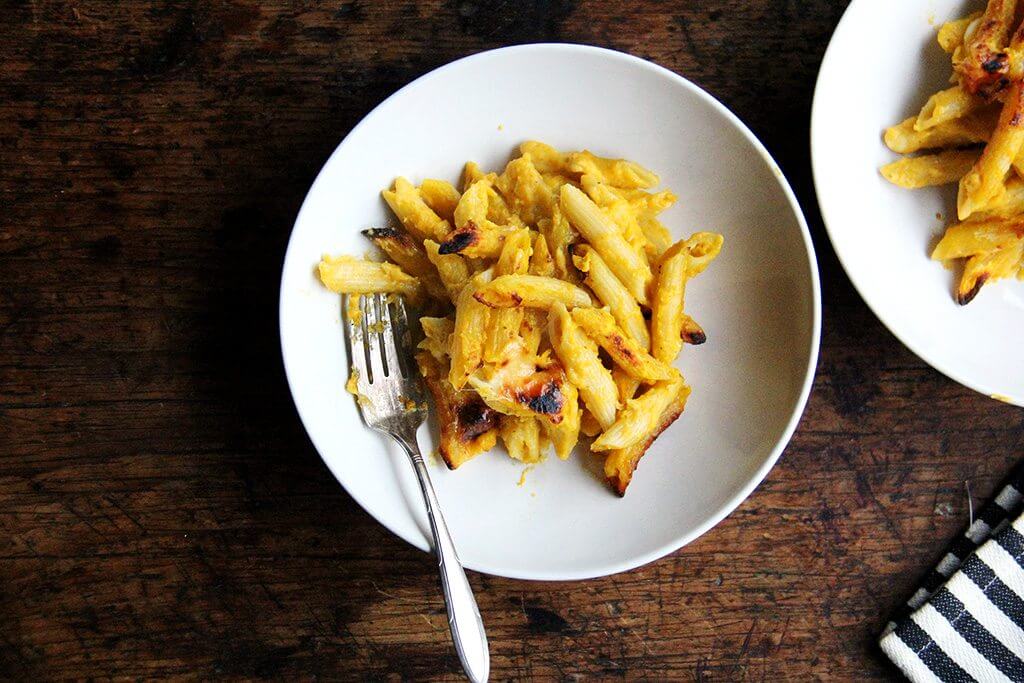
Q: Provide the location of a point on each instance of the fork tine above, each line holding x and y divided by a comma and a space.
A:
371, 339
391, 353
354, 341
403, 339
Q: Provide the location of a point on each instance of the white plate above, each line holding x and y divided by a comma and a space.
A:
759, 303
881, 66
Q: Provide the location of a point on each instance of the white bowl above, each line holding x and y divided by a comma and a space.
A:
883, 234
759, 303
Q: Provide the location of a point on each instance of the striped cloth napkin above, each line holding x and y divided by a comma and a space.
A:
966, 621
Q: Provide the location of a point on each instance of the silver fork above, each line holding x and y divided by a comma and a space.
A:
380, 347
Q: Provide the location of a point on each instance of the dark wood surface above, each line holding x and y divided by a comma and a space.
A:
162, 512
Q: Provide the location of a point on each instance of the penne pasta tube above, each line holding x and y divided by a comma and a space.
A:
988, 267
941, 168
978, 237
437, 334
452, 269
531, 291
565, 434
583, 367
612, 294
977, 127
521, 436
640, 417
441, 196
984, 62
620, 464
951, 34
409, 256
684, 260
467, 346
628, 266
947, 105
504, 323
667, 307
985, 182
616, 172
350, 275
418, 218
525, 191
600, 326
626, 384
467, 426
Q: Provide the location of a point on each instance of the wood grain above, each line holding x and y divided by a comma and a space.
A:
162, 513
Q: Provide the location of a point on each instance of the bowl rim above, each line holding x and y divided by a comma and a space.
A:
891, 323
615, 567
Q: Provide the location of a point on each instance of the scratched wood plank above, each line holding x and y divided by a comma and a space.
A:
161, 511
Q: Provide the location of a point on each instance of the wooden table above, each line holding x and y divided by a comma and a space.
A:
162, 511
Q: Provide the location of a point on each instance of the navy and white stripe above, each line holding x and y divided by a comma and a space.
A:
966, 621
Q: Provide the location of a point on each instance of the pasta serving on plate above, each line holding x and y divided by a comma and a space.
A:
973, 134
552, 301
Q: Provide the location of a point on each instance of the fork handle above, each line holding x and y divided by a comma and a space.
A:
463, 615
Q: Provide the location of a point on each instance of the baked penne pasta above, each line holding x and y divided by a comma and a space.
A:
504, 323
521, 436
986, 267
942, 168
538, 395
441, 196
683, 261
978, 237
452, 269
583, 367
602, 233
947, 105
903, 138
475, 234
418, 218
437, 334
640, 417
984, 62
626, 384
525, 190
409, 256
984, 182
507, 269
467, 426
467, 347
350, 275
600, 326
617, 172
620, 464
545, 158
612, 293
565, 434
951, 34
531, 291
667, 307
